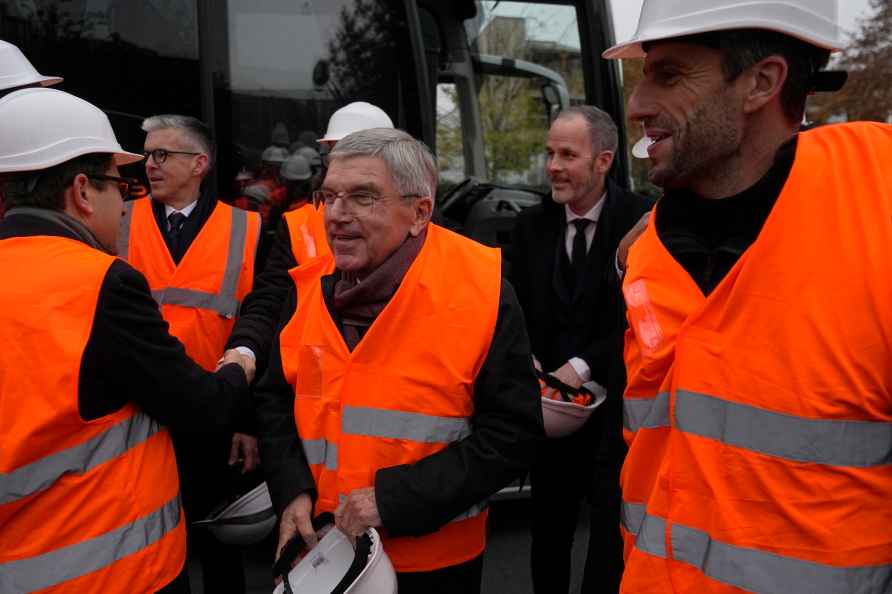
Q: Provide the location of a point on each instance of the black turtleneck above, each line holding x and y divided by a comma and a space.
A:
707, 236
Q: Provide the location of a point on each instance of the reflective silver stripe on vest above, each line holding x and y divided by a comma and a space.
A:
321, 451
632, 516
376, 422
225, 301
124, 231
78, 459
73, 561
646, 413
819, 441
759, 571
652, 536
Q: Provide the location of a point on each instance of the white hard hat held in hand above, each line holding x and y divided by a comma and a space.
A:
41, 128
337, 564
354, 117
813, 21
16, 71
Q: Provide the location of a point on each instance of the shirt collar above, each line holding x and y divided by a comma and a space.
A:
593, 213
186, 210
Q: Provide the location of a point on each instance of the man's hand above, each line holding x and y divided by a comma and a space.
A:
568, 375
622, 252
247, 363
536, 364
358, 512
297, 519
244, 448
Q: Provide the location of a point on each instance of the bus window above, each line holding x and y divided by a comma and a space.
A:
449, 137
284, 67
519, 48
130, 58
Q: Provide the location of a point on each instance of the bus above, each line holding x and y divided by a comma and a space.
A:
478, 81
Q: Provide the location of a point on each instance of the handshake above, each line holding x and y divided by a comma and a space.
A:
246, 362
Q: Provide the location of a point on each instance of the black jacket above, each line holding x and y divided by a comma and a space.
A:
261, 310
131, 357
416, 499
594, 316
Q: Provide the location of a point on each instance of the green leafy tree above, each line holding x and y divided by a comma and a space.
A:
868, 60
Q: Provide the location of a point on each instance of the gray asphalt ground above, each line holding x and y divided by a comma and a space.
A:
506, 568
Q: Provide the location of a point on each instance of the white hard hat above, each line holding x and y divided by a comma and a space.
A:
296, 168
334, 565
812, 21
560, 414
245, 521
40, 128
16, 71
274, 154
259, 193
311, 155
354, 117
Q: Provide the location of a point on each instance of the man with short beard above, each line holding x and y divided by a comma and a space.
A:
759, 393
563, 273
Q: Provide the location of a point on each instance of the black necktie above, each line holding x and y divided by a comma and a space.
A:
176, 220
578, 254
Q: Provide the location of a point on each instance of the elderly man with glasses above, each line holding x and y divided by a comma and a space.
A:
404, 366
198, 255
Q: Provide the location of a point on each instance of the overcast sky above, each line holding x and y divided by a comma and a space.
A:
626, 15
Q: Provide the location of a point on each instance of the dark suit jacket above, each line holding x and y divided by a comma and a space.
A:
590, 323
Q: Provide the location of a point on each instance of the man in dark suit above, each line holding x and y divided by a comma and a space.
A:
563, 270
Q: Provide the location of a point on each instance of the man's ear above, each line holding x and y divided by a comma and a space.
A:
423, 208
200, 165
764, 82
79, 197
603, 162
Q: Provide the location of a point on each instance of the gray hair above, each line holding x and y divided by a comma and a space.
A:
411, 163
196, 131
601, 126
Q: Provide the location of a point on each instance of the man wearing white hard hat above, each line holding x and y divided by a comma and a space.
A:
89, 496
17, 72
758, 411
299, 239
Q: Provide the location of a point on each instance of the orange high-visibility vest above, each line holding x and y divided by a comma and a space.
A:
306, 228
85, 506
405, 392
200, 297
759, 418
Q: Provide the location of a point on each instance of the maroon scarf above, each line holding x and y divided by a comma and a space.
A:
359, 303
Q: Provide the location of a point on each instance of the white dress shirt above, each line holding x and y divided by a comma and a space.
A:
185, 211
593, 214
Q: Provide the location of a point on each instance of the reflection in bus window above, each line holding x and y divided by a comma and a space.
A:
289, 66
263, 73
513, 110
449, 137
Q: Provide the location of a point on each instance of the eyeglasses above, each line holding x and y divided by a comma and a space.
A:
124, 184
159, 155
353, 202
